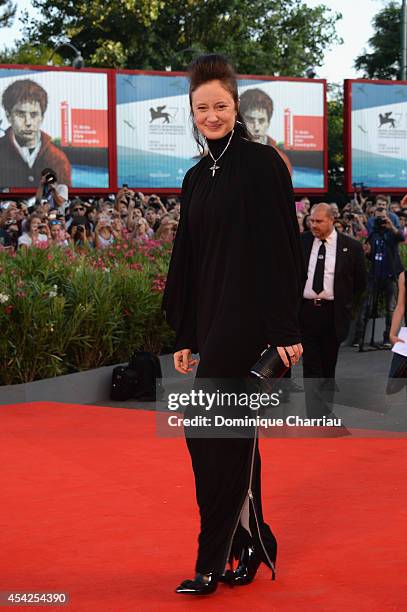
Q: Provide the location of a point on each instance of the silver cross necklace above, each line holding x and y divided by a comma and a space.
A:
215, 167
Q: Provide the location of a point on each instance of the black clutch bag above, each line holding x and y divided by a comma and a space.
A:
270, 365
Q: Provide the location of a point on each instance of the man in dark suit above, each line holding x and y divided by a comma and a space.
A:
336, 274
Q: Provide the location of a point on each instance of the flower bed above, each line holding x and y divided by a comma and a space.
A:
63, 311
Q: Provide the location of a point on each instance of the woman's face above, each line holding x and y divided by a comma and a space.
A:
56, 232
141, 228
35, 225
213, 109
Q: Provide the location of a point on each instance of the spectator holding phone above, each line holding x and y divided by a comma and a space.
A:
142, 231
105, 233
59, 236
134, 215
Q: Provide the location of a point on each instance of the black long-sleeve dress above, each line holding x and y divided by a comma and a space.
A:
234, 285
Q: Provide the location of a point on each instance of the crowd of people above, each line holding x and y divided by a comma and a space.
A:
51, 219
356, 218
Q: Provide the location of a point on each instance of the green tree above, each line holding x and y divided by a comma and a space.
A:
7, 12
384, 60
261, 37
27, 53
335, 143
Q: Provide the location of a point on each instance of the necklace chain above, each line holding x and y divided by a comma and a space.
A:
215, 167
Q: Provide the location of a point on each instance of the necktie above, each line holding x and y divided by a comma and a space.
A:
318, 282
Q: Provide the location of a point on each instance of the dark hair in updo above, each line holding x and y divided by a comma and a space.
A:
213, 67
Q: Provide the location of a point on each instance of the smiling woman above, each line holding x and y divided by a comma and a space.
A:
214, 110
233, 287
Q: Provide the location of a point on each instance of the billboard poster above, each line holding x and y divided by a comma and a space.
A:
378, 134
155, 147
54, 119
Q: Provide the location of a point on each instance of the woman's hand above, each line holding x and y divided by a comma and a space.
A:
183, 361
393, 339
294, 352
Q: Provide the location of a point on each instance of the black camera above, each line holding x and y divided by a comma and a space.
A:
380, 224
50, 178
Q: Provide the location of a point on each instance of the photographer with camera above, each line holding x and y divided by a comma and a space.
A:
382, 201
382, 250
80, 232
155, 203
49, 189
353, 224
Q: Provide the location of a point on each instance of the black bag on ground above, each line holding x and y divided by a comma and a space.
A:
148, 369
124, 383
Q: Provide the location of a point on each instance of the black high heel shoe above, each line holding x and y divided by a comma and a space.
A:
204, 584
245, 572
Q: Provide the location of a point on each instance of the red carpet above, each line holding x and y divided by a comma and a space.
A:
93, 503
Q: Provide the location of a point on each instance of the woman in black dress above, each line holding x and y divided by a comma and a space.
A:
234, 286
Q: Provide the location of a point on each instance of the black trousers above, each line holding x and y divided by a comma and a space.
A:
225, 468
221, 468
321, 347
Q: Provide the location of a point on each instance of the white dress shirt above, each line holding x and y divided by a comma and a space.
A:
329, 269
28, 157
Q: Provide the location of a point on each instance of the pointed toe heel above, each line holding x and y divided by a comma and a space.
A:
246, 571
203, 584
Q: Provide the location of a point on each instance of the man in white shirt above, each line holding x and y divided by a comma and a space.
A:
336, 274
49, 189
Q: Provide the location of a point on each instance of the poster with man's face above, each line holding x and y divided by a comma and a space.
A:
288, 115
57, 120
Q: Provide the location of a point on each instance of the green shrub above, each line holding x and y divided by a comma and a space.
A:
403, 254
62, 310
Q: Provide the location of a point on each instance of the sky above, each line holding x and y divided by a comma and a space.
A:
355, 28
